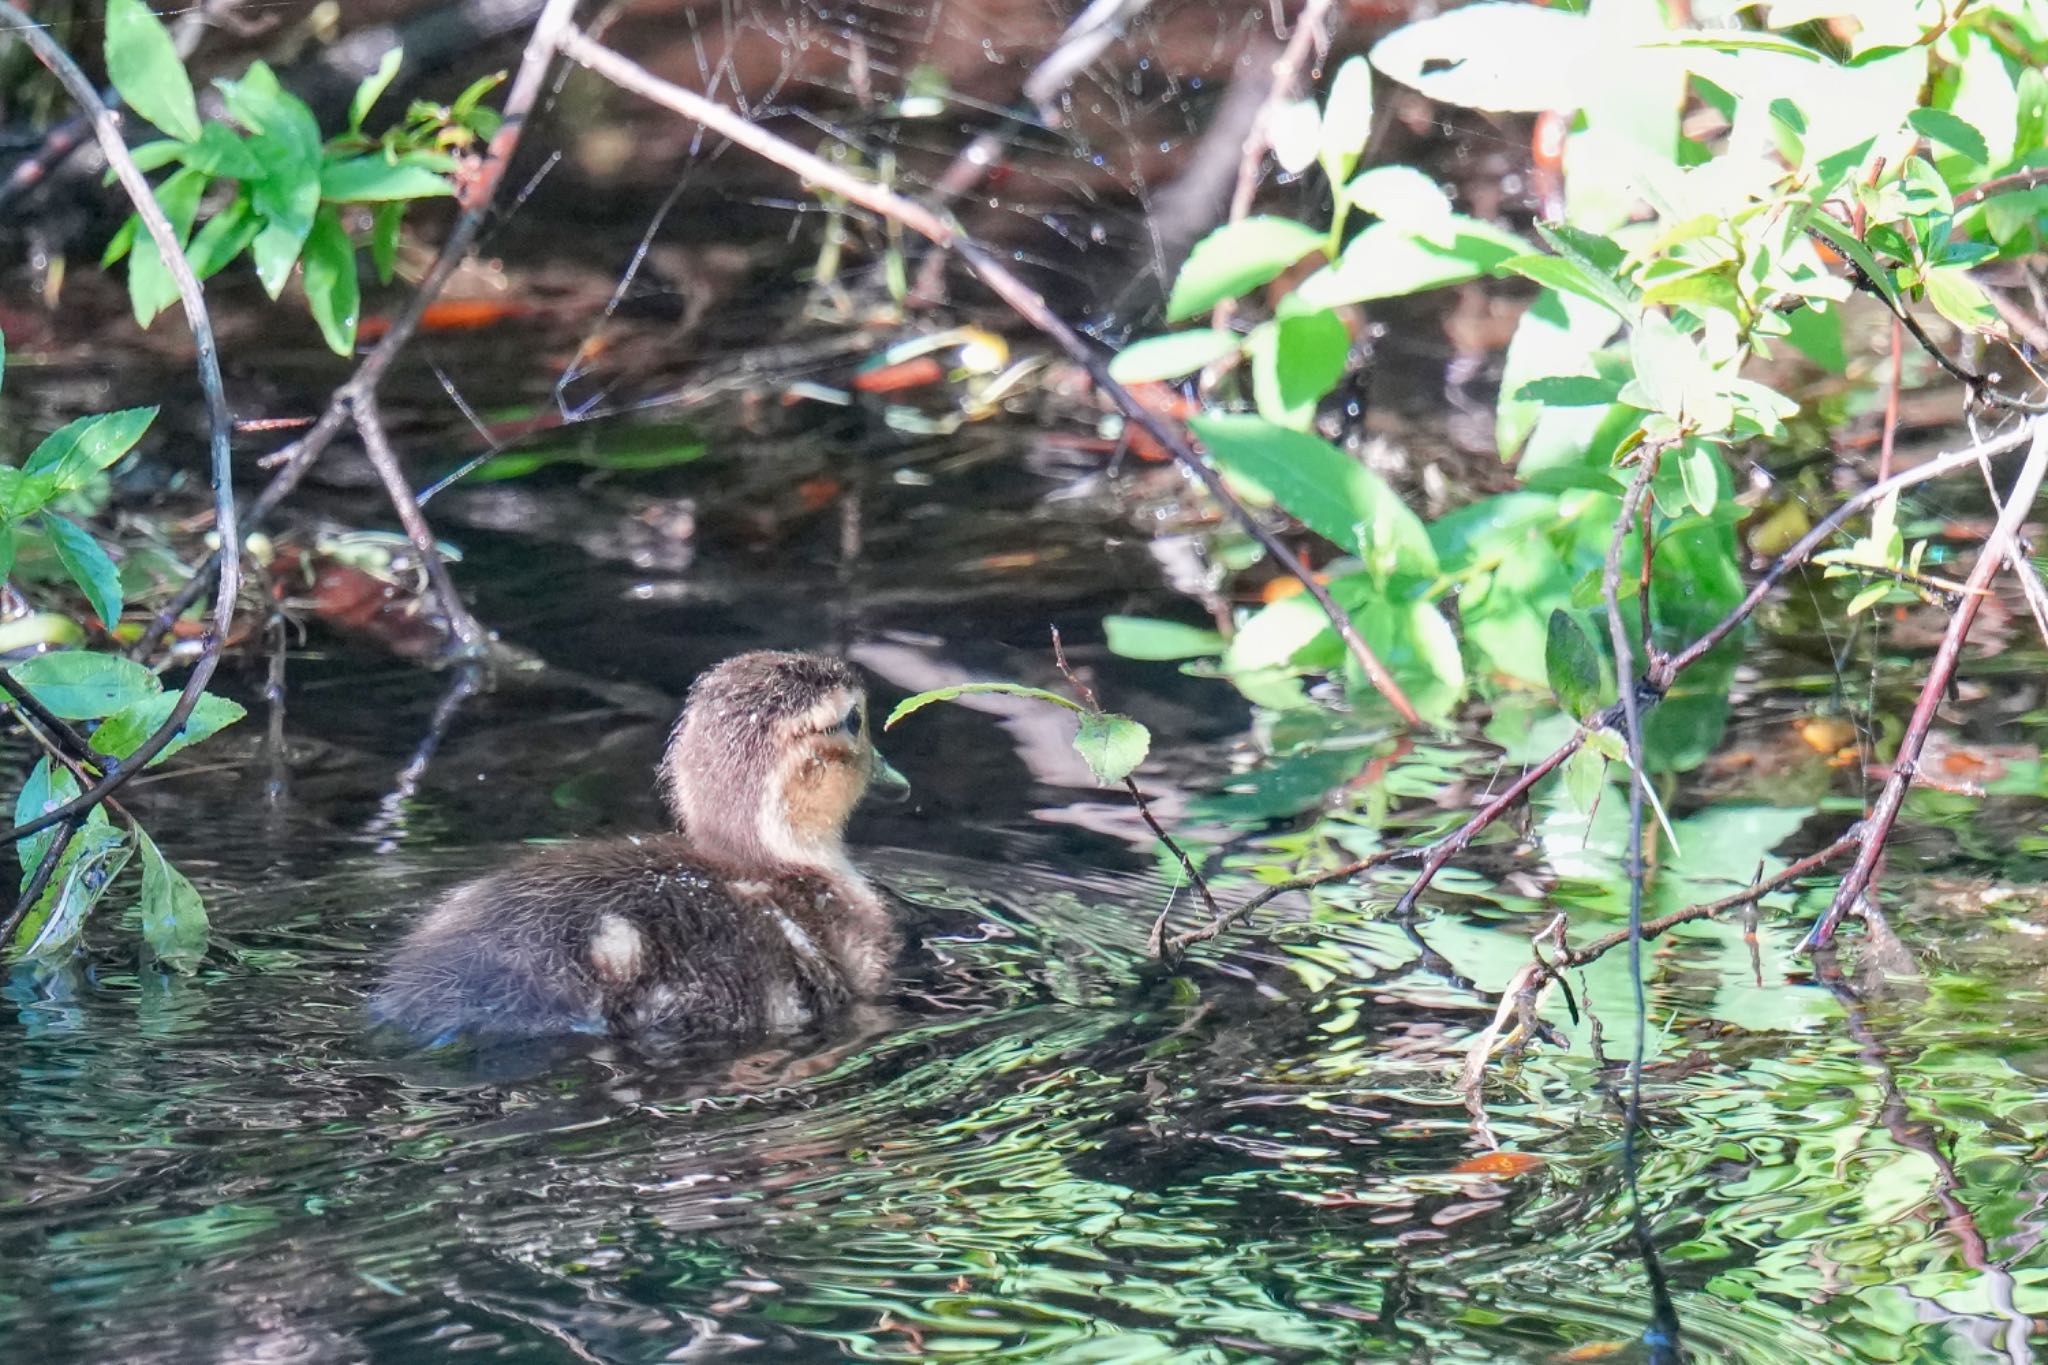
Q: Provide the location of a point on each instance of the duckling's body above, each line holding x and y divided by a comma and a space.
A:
749, 921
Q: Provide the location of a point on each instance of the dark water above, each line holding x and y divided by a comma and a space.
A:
1041, 1150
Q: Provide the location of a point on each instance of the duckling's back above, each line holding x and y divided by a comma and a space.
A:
621, 936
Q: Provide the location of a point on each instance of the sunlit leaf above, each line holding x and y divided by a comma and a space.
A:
1960, 299
1388, 260
1327, 490
1699, 467
1956, 134
1173, 355
1584, 774
1295, 361
909, 705
1347, 118
1113, 746
1145, 637
143, 64
1236, 257
1505, 58
81, 684
1404, 195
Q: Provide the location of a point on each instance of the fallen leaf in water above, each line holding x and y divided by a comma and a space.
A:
1827, 734
1499, 1163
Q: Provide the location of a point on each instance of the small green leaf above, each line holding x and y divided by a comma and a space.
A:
373, 179
1958, 298
1173, 355
222, 152
1145, 637
1401, 194
1388, 260
1584, 774
22, 494
1295, 361
226, 235
122, 733
924, 699
1609, 744
6, 549
384, 239
1569, 391
373, 87
121, 243
1236, 257
88, 566
143, 64
1938, 125
1113, 746
1347, 119
76, 451
332, 290
173, 915
43, 792
1700, 470
96, 856
151, 286
79, 684
1572, 665
1867, 598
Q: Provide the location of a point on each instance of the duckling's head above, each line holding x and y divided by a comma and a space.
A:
769, 759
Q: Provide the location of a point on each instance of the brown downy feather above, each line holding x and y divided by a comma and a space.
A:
749, 921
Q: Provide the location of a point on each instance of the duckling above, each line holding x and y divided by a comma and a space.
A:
747, 921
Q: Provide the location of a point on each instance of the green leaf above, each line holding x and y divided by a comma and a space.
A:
332, 290
88, 566
173, 915
1506, 58
76, 451
1569, 391
1404, 195
1295, 361
1958, 298
122, 733
1172, 355
1572, 665
82, 685
121, 243
1347, 119
1146, 637
1325, 489
384, 239
6, 549
1668, 364
1113, 746
151, 287
221, 151
373, 179
373, 87
1938, 125
226, 235
96, 856
1390, 259
1700, 469
287, 147
43, 792
1584, 774
924, 699
143, 64
23, 495
1236, 257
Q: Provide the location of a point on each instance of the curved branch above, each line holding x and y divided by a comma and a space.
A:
227, 565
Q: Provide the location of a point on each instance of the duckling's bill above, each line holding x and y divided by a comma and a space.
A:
887, 784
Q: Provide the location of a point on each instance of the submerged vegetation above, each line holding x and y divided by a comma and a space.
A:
1505, 793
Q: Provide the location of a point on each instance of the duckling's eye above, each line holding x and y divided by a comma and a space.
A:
851, 723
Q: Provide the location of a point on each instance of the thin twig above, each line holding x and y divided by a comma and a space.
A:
228, 564
1878, 828
72, 742
1026, 301
475, 640
2033, 178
